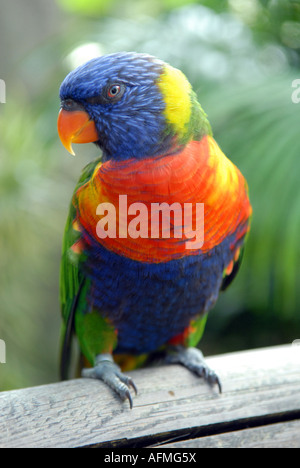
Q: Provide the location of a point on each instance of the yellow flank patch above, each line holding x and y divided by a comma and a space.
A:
176, 91
225, 171
76, 225
97, 169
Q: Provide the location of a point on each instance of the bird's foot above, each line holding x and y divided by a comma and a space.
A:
192, 359
106, 370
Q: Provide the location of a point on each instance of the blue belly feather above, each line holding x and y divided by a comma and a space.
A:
150, 303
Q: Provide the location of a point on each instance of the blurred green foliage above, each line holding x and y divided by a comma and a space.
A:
241, 57
90, 7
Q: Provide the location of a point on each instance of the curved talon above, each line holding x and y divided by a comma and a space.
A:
219, 385
213, 379
106, 370
128, 396
192, 359
132, 384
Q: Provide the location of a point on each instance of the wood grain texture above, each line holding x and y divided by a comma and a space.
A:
259, 387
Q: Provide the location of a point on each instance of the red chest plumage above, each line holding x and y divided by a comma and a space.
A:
199, 174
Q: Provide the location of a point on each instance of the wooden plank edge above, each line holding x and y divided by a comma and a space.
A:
187, 436
276, 435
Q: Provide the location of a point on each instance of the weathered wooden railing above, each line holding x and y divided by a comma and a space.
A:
259, 407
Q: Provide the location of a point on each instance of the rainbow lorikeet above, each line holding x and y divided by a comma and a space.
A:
129, 287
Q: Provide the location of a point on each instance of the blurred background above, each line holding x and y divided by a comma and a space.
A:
242, 57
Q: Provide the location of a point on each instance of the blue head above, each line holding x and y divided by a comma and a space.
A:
136, 105
120, 94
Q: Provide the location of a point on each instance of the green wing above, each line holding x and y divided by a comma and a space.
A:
71, 279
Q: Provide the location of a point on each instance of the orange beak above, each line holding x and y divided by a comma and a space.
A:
75, 127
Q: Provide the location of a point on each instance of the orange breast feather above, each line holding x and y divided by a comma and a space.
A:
200, 174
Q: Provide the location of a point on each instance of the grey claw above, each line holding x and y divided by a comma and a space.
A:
193, 359
213, 379
219, 385
128, 396
132, 384
106, 370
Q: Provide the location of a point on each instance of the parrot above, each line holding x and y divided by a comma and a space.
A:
129, 294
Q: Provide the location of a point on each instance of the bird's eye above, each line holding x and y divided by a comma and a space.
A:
115, 91
111, 93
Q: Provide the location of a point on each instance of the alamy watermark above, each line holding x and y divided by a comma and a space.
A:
2, 352
2, 92
183, 221
296, 92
